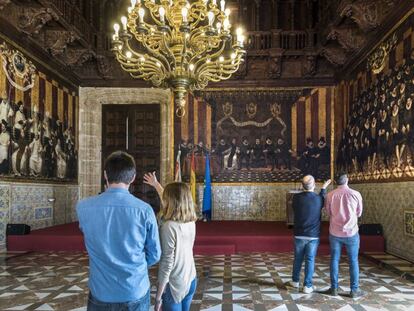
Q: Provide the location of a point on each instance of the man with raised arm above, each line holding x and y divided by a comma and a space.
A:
307, 207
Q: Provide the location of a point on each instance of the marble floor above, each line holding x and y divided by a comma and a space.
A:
58, 281
395, 264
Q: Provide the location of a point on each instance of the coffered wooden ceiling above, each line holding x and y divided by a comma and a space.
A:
290, 42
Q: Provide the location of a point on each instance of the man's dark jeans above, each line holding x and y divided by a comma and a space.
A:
142, 304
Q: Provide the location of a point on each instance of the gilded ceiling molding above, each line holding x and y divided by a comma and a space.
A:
377, 60
32, 20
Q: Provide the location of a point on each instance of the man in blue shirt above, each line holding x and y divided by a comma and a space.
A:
121, 237
307, 207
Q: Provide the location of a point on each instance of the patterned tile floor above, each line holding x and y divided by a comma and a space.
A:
395, 264
58, 281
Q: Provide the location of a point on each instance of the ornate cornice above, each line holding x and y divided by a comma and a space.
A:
335, 55
348, 38
77, 57
57, 41
3, 4
32, 20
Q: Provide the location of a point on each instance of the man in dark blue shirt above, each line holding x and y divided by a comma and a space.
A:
121, 237
307, 207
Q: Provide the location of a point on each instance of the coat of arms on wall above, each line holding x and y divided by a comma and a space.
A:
20, 72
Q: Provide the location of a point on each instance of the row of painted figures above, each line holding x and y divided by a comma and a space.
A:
380, 132
35, 145
234, 155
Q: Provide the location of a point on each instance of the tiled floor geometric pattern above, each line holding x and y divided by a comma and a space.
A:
58, 281
402, 267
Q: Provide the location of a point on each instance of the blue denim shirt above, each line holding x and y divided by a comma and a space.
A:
121, 237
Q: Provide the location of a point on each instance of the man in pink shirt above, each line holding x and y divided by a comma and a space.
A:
344, 207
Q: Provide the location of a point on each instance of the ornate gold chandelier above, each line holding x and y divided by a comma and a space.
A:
178, 44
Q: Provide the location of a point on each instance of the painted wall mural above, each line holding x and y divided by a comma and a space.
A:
37, 122
377, 141
257, 136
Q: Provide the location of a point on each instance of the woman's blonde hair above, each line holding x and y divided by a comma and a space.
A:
178, 203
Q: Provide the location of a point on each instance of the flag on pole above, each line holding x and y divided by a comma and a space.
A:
193, 178
207, 191
178, 167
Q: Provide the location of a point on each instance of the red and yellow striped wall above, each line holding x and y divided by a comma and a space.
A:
48, 95
311, 117
196, 125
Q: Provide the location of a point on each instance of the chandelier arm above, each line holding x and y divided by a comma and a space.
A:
217, 53
183, 53
217, 73
169, 53
197, 13
150, 41
153, 9
149, 63
152, 75
155, 55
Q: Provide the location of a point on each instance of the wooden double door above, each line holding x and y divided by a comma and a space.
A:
136, 130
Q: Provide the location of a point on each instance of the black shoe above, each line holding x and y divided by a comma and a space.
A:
330, 292
357, 293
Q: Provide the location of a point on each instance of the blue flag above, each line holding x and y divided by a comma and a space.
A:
207, 191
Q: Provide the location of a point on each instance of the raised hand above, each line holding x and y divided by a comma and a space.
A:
151, 179
326, 184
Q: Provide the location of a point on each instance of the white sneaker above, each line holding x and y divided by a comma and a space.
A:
293, 284
308, 290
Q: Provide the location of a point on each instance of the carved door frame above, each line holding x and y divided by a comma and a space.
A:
90, 130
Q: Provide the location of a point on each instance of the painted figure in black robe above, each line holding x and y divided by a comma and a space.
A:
396, 135
233, 150
373, 141
258, 155
50, 159
324, 151
244, 153
407, 119
283, 154
308, 158
384, 137
221, 150
269, 152
200, 149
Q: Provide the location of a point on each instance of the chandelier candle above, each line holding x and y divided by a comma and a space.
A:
181, 45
